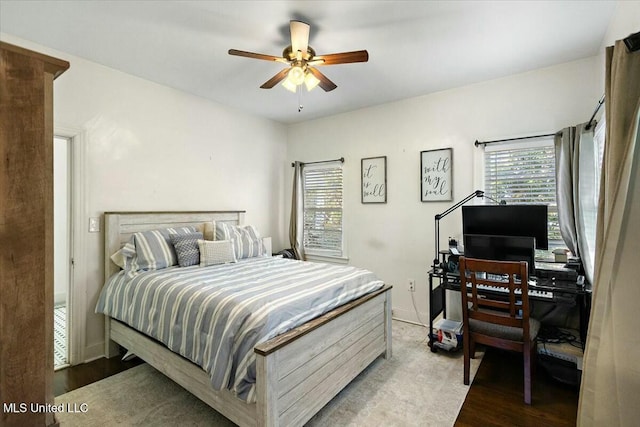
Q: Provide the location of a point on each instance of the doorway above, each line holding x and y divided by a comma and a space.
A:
62, 252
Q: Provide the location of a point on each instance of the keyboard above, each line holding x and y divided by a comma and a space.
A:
499, 278
532, 292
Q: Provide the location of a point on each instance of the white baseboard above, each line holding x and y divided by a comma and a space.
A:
410, 316
93, 352
59, 298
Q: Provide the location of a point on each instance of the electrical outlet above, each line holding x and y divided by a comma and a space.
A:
412, 285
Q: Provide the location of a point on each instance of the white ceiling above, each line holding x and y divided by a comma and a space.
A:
415, 47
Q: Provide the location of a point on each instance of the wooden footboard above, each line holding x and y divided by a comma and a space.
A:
184, 372
300, 372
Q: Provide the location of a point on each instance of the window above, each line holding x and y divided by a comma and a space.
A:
323, 197
524, 173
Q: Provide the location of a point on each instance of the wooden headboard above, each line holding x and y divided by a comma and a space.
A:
119, 226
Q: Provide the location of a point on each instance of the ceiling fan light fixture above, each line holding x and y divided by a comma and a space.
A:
288, 85
296, 75
310, 81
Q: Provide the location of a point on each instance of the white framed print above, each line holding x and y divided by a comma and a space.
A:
436, 170
374, 179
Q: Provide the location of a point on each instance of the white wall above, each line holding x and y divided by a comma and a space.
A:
396, 240
625, 21
149, 147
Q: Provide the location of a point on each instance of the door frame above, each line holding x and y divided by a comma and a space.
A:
76, 296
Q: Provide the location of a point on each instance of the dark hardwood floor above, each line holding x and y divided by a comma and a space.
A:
68, 379
496, 396
494, 399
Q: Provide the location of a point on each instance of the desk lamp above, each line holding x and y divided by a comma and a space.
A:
438, 217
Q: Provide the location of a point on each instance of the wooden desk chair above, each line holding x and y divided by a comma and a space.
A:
498, 321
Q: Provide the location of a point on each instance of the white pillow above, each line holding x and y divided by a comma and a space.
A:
213, 252
119, 259
124, 257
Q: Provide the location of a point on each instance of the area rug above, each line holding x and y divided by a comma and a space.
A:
414, 388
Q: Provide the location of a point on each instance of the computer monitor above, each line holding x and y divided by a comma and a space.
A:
501, 248
508, 220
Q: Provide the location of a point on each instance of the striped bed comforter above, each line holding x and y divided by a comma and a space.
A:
214, 316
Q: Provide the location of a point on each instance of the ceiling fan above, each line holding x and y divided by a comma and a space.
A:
302, 60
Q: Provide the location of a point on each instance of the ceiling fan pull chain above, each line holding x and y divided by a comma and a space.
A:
300, 106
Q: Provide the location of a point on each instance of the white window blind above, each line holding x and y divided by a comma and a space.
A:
323, 199
524, 173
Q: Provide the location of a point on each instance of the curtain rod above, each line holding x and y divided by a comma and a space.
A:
341, 160
593, 116
633, 42
542, 136
512, 139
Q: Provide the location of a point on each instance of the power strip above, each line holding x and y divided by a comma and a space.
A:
563, 350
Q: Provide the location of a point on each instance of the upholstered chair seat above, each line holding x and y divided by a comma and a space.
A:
504, 332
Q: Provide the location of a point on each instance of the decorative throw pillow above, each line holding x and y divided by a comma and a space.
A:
214, 252
246, 240
187, 249
154, 249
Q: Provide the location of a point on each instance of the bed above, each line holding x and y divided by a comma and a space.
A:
296, 372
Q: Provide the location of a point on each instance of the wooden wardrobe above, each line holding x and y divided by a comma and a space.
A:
26, 235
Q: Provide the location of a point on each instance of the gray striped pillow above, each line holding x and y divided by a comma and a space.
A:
246, 240
154, 249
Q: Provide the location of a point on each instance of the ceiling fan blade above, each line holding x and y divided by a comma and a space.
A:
275, 79
236, 52
342, 58
325, 83
299, 36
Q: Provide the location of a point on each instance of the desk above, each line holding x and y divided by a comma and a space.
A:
562, 291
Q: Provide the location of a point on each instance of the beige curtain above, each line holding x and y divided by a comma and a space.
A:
296, 224
610, 390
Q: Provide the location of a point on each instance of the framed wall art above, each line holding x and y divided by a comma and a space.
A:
436, 170
374, 179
